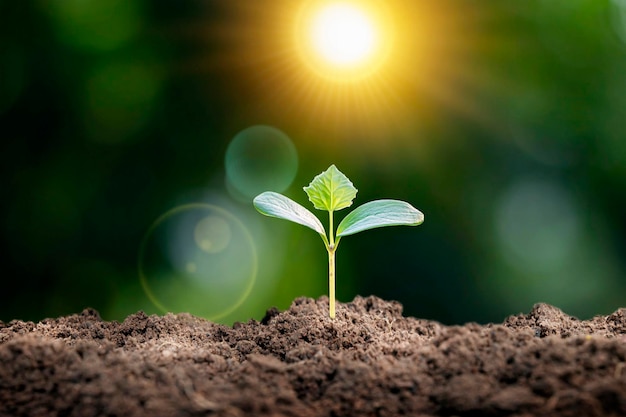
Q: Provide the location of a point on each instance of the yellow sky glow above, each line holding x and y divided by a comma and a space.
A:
356, 70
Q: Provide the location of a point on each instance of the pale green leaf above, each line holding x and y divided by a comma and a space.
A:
379, 213
331, 190
277, 205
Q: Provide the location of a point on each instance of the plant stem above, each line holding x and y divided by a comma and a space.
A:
331, 231
331, 283
331, 267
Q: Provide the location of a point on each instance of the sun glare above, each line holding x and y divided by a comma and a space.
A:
359, 70
343, 34
342, 40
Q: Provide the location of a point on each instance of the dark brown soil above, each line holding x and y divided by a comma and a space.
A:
369, 361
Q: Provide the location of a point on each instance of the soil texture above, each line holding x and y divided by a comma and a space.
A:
368, 361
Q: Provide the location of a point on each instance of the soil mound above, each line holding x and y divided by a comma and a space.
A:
369, 361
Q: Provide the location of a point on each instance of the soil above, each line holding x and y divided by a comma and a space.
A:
369, 361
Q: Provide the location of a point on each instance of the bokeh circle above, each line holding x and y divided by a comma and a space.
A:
261, 158
198, 258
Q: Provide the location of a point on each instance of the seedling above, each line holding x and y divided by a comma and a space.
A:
332, 191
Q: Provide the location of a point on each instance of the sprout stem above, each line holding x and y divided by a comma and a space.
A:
331, 282
331, 267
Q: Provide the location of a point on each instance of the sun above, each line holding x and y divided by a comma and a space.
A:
351, 72
343, 34
342, 40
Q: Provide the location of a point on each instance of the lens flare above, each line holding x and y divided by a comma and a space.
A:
260, 158
198, 258
212, 234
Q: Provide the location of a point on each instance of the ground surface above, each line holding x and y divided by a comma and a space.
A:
369, 361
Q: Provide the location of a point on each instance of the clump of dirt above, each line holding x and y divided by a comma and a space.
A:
369, 361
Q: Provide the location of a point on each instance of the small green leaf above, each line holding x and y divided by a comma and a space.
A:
379, 213
331, 190
277, 205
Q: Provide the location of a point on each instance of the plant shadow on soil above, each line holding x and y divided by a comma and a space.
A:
369, 361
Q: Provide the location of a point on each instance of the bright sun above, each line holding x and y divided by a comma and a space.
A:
343, 34
342, 40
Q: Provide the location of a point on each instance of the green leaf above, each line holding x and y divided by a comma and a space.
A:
277, 205
331, 190
379, 213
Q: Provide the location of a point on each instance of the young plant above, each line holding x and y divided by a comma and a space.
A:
332, 191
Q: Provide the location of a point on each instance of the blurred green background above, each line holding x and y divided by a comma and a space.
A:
135, 133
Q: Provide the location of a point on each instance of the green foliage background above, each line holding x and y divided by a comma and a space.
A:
114, 112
